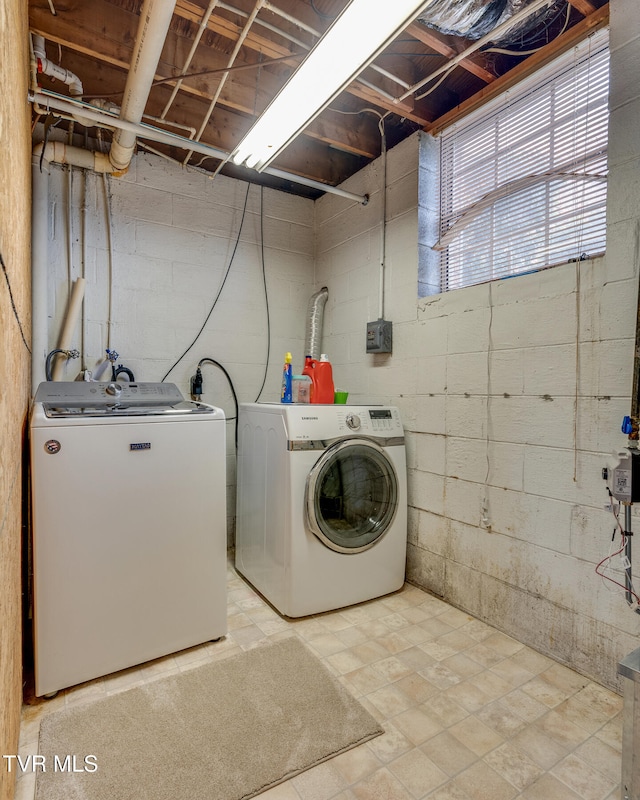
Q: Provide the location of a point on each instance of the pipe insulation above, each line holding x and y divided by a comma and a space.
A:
74, 308
315, 319
152, 32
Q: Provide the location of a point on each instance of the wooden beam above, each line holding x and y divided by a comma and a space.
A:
428, 37
583, 6
104, 34
564, 42
223, 27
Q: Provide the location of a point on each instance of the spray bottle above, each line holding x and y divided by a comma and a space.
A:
286, 394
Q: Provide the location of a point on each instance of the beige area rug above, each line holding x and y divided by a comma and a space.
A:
225, 731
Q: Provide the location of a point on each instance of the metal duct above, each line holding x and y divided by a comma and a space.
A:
474, 19
315, 317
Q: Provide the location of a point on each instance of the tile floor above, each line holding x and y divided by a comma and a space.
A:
469, 713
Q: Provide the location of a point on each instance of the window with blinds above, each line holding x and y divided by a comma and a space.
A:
523, 181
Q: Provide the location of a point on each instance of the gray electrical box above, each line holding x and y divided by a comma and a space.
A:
379, 336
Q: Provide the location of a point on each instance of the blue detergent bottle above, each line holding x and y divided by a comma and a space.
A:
286, 395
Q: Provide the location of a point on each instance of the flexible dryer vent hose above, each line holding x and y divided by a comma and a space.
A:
315, 317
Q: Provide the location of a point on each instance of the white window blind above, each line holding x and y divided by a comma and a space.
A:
523, 181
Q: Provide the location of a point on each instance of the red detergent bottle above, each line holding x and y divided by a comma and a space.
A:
321, 375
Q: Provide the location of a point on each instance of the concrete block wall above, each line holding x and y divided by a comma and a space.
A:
512, 395
173, 234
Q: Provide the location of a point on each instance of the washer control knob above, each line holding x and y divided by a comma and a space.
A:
113, 389
353, 421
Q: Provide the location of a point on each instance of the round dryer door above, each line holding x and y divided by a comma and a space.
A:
351, 495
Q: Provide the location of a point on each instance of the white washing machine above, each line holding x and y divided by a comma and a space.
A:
129, 527
321, 518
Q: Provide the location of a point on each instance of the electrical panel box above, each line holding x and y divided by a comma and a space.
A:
623, 476
379, 336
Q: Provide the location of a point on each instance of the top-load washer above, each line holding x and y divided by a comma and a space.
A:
321, 518
129, 527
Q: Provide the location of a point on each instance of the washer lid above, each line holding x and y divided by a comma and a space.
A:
92, 398
351, 495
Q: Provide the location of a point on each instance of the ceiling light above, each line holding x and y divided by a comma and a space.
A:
356, 37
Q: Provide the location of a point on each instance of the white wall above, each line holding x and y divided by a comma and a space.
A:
512, 396
173, 234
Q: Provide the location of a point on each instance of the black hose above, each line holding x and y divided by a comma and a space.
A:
231, 386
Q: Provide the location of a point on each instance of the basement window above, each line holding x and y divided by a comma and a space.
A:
523, 182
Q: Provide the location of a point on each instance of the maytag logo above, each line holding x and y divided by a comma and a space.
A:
309, 417
140, 446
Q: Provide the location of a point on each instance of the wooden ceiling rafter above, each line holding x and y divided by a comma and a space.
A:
571, 37
99, 35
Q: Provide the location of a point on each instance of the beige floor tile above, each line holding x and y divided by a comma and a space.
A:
549, 788
448, 792
344, 662
435, 627
356, 764
602, 757
418, 773
481, 782
479, 631
390, 745
389, 701
393, 669
319, 783
514, 766
503, 644
327, 644
588, 782
416, 658
449, 754
475, 735
417, 725
611, 733
512, 672
440, 676
394, 642
416, 687
438, 649
366, 679
396, 621
524, 706
284, 791
539, 746
469, 696
382, 785
469, 713
462, 665
562, 730
500, 719
485, 656
532, 660
600, 698
445, 710
542, 691
582, 713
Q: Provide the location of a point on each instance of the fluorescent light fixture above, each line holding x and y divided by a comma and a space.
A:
356, 37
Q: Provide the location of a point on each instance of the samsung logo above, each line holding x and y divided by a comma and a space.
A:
308, 417
140, 446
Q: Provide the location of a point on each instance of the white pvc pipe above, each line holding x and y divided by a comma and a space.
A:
47, 100
54, 70
74, 308
62, 153
39, 250
152, 32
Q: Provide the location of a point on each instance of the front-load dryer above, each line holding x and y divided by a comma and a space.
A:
321, 504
